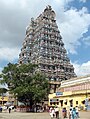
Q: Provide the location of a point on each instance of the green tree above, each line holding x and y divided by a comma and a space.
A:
29, 86
2, 91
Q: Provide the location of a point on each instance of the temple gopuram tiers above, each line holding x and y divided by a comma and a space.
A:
43, 45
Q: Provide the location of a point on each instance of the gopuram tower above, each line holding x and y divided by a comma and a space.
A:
43, 45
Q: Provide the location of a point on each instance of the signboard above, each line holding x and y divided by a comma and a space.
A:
59, 93
54, 100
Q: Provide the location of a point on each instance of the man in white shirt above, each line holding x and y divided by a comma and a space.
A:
57, 112
77, 112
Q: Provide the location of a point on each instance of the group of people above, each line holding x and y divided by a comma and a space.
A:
54, 112
6, 108
72, 113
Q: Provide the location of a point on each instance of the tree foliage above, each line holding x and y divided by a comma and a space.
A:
29, 87
2, 91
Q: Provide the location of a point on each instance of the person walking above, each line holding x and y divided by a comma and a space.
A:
52, 114
50, 111
77, 112
0, 109
64, 113
70, 113
57, 112
9, 110
74, 116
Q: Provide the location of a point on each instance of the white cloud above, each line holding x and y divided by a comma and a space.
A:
9, 54
83, 69
87, 41
83, 1
74, 25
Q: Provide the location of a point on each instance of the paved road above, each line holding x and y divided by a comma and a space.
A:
18, 115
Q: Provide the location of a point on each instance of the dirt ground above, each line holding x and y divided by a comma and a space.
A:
19, 115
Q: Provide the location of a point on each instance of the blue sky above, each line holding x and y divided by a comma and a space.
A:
73, 19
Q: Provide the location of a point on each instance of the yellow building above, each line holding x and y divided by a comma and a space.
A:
3, 100
73, 92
